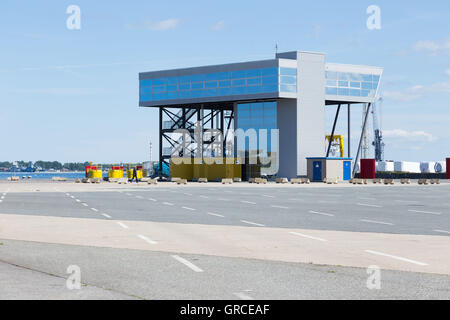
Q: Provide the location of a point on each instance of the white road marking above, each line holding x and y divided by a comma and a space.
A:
148, 240
249, 202
187, 194
215, 214
363, 198
77, 200
1, 200
140, 197
243, 296
279, 207
322, 213
128, 194
106, 215
295, 199
420, 211
253, 223
369, 205
223, 199
72, 197
187, 208
378, 222
267, 196
85, 204
123, 225
407, 201
93, 209
168, 203
151, 199
3, 197
204, 197
187, 263
441, 231
306, 236
396, 257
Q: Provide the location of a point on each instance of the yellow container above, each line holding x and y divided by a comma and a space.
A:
184, 170
95, 174
117, 174
211, 168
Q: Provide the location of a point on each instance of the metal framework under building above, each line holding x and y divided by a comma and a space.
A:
218, 116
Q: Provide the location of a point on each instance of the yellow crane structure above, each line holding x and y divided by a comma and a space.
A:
338, 141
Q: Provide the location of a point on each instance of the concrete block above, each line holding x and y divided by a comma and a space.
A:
405, 181
77, 180
152, 181
58, 179
181, 181
13, 179
175, 179
251, 180
260, 180
330, 180
389, 181
203, 180
435, 181
423, 181
377, 180
281, 180
227, 181
305, 181
237, 180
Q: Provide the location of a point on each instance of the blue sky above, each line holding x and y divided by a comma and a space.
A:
72, 95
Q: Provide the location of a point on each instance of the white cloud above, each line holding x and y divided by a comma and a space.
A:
413, 136
219, 25
163, 24
155, 25
447, 72
434, 48
417, 91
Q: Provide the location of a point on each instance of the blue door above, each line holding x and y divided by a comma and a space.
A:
347, 170
317, 170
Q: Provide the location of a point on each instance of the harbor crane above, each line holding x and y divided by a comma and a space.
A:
377, 133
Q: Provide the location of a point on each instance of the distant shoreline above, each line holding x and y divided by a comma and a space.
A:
38, 172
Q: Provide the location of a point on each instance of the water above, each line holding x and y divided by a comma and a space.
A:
43, 175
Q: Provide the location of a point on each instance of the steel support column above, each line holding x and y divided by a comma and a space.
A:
361, 138
348, 131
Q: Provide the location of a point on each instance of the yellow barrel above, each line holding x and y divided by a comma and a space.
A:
97, 174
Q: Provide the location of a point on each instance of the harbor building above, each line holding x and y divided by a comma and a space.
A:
288, 93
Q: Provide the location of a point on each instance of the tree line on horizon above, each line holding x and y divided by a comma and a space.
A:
47, 165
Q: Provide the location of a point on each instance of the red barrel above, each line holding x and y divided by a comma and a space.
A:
448, 168
87, 169
367, 169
